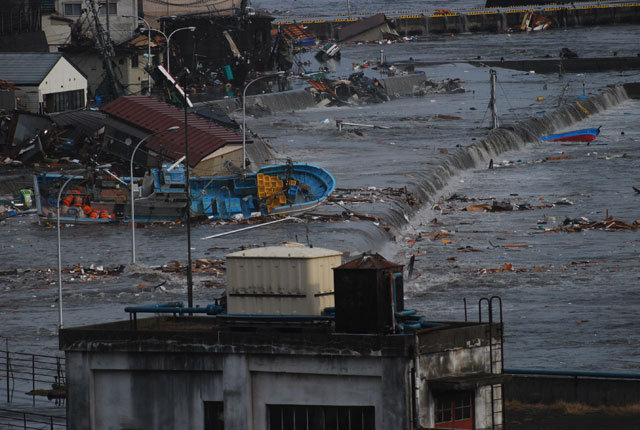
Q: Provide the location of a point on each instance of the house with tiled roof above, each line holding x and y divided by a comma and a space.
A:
133, 118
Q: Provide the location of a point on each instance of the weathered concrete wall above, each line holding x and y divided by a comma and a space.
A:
590, 390
168, 390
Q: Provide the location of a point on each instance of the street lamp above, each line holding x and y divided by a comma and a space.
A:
59, 251
148, 45
133, 220
169, 39
244, 115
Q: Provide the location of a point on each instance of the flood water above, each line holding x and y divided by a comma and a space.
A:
569, 301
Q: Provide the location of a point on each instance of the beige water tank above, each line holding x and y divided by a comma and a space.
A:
281, 280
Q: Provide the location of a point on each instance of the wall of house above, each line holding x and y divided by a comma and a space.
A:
58, 31
213, 165
134, 80
168, 390
62, 77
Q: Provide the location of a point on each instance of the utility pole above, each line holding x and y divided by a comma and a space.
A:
492, 102
185, 74
105, 45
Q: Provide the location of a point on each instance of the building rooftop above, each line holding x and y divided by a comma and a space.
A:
221, 334
284, 252
27, 68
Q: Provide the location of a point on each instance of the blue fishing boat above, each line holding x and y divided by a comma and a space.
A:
273, 190
584, 135
161, 195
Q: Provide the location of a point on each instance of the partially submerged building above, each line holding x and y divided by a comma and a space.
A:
213, 149
374, 27
277, 357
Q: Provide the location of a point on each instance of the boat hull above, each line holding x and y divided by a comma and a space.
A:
585, 135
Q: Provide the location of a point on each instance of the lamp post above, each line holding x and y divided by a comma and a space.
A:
133, 220
244, 115
169, 39
60, 255
148, 45
72, 175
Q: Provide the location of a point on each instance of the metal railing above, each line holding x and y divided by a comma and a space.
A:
41, 377
10, 419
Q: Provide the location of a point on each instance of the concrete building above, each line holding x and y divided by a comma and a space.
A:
371, 365
44, 82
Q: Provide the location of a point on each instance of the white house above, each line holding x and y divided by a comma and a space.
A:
45, 82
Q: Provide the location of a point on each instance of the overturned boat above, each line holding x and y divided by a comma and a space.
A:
584, 135
162, 195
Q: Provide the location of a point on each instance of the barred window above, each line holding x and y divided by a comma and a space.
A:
297, 417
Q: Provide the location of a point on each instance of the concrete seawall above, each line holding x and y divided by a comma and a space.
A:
486, 21
398, 86
428, 184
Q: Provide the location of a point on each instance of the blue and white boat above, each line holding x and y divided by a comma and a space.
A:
291, 188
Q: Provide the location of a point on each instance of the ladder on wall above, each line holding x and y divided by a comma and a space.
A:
495, 337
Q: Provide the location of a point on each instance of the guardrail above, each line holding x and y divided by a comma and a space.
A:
32, 377
10, 419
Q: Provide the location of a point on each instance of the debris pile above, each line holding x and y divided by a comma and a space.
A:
201, 265
581, 224
357, 89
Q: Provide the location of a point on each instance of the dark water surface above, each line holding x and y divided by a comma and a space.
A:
570, 301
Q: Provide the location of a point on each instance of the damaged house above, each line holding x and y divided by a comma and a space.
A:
225, 51
213, 149
375, 27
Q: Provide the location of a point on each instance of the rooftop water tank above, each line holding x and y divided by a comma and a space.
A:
281, 280
369, 291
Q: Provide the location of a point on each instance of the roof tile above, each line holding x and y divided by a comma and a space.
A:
153, 115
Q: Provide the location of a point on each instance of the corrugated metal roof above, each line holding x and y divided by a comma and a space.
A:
27, 68
284, 252
361, 26
154, 115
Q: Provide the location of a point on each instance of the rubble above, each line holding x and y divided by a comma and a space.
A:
581, 224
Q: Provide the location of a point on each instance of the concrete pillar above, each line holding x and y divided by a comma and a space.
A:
396, 407
238, 409
79, 393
